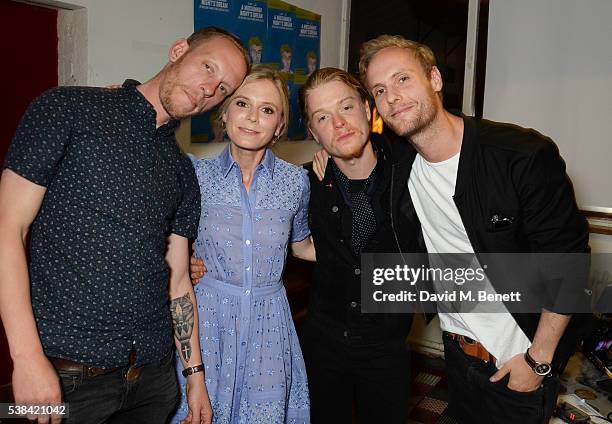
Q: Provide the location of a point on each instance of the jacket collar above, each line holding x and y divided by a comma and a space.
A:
466, 156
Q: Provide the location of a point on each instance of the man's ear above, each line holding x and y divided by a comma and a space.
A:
178, 49
435, 79
314, 136
368, 111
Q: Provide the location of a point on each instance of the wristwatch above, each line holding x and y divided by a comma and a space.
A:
542, 369
192, 370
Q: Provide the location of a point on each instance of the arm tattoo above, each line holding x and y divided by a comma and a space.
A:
182, 320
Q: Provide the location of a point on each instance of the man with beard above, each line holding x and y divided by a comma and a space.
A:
112, 203
353, 356
482, 187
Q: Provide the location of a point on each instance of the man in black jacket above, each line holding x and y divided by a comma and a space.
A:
351, 355
481, 187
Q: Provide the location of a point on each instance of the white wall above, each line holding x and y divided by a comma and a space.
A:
549, 67
130, 39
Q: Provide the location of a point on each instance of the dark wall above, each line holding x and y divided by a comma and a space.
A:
28, 39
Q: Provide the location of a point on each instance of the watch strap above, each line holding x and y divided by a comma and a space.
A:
530, 361
535, 364
192, 370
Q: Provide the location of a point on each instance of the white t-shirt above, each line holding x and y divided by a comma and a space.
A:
432, 186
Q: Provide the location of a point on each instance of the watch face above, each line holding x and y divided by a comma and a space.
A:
542, 369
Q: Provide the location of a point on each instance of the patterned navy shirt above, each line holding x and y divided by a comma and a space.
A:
117, 186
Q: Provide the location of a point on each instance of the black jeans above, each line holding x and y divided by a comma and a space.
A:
374, 375
111, 398
474, 399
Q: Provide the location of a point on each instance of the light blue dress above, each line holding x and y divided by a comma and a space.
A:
253, 362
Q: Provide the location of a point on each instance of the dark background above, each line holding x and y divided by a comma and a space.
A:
439, 24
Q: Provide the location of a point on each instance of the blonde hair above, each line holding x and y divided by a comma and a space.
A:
323, 76
263, 72
255, 41
369, 49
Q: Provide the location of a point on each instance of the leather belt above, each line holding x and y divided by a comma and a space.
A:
471, 347
131, 374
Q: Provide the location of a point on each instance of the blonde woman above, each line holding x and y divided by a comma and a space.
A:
254, 206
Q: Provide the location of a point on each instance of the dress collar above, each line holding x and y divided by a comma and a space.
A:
227, 162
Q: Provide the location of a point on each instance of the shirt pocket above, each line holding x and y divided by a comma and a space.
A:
501, 220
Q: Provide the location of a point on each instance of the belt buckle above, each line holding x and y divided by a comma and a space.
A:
478, 351
93, 372
133, 373
472, 347
466, 340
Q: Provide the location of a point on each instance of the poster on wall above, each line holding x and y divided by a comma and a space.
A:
213, 12
307, 44
306, 60
250, 25
274, 32
281, 36
205, 127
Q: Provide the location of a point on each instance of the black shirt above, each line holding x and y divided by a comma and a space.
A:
358, 197
117, 186
335, 297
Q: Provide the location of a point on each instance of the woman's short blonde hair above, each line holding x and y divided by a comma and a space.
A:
263, 72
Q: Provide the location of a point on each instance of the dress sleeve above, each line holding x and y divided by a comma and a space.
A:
42, 138
300, 229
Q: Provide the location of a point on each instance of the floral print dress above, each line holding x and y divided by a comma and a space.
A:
253, 362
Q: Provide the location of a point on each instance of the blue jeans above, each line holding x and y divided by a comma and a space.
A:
111, 398
474, 399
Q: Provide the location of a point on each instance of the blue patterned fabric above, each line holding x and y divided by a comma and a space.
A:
253, 362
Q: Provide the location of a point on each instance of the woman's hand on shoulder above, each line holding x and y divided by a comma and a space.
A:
319, 163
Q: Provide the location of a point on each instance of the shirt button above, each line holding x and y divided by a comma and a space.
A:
248, 242
243, 343
357, 271
353, 304
341, 240
247, 292
248, 268
334, 209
